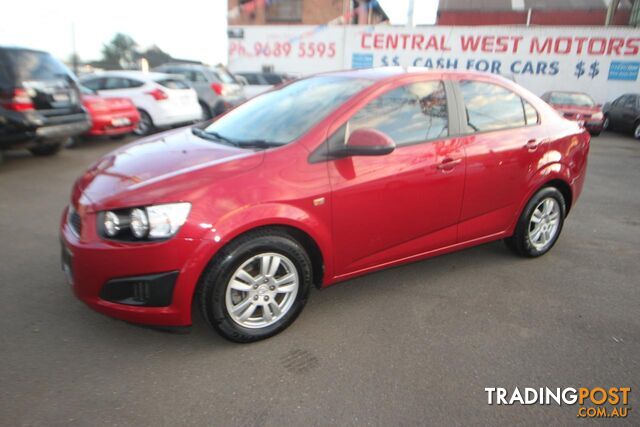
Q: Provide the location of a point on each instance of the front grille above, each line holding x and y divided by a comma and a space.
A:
74, 220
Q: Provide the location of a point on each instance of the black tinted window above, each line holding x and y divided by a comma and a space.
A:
412, 113
530, 113
134, 83
272, 79
112, 83
93, 84
173, 83
26, 65
630, 102
252, 79
490, 107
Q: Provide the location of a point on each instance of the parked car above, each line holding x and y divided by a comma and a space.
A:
577, 106
257, 83
218, 90
114, 117
162, 100
39, 102
323, 179
623, 114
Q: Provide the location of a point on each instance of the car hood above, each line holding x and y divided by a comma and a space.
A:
167, 166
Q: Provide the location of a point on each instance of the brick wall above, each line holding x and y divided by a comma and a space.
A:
313, 12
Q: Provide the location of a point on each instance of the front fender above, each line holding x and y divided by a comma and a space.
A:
242, 220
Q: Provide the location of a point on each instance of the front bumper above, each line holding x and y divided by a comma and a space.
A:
91, 263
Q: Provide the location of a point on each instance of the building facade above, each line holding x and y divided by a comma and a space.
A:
450, 12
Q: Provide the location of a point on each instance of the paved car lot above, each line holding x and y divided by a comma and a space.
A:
412, 345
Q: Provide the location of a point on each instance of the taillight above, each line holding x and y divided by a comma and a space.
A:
17, 100
217, 88
158, 94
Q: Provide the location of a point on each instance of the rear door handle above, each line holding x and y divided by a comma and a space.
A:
448, 163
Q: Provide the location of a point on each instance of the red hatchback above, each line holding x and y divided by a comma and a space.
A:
109, 116
324, 179
579, 107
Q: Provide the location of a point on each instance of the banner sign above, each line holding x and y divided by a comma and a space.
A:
601, 61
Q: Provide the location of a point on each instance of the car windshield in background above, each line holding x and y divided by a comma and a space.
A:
281, 116
566, 98
28, 65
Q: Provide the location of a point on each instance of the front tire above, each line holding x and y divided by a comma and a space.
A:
539, 225
256, 286
636, 130
606, 124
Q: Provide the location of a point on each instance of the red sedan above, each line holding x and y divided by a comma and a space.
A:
109, 116
579, 107
324, 179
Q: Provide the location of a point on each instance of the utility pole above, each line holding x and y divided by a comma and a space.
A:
410, 21
74, 54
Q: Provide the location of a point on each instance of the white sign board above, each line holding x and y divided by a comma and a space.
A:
601, 61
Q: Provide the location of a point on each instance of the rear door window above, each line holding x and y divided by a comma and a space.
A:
94, 84
170, 83
409, 114
490, 107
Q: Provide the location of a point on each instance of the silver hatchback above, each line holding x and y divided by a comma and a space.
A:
218, 90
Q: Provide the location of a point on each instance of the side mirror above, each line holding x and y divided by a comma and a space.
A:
368, 142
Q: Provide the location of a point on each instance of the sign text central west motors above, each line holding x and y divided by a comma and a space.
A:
603, 62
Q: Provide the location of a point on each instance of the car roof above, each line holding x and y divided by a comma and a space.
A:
389, 73
26, 49
133, 74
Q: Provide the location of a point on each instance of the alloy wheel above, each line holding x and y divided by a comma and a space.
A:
544, 223
262, 290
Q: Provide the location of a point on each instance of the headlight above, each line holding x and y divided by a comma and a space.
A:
151, 222
139, 223
111, 224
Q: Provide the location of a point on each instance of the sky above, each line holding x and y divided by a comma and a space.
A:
188, 29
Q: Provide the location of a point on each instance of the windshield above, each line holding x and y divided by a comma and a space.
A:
283, 115
566, 98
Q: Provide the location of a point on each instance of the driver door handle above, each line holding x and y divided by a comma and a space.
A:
448, 163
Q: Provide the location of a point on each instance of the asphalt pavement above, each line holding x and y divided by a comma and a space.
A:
412, 345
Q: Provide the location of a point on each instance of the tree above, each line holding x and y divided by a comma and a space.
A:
120, 53
156, 56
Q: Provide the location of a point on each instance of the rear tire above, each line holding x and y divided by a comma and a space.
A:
636, 130
145, 125
240, 283
48, 149
539, 225
206, 112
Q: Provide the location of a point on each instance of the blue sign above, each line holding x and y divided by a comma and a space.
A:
624, 70
362, 60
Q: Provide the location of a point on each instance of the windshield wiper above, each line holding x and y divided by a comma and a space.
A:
258, 143
213, 136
